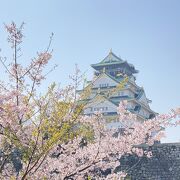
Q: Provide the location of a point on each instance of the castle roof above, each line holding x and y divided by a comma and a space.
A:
112, 60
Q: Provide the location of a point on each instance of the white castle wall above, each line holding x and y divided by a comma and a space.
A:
104, 81
102, 106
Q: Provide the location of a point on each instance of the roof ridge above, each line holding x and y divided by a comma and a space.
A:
112, 54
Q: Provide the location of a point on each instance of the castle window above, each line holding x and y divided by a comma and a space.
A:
111, 73
103, 85
121, 93
100, 109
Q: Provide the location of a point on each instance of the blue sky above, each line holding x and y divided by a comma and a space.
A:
145, 33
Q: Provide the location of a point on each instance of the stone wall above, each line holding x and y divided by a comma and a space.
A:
163, 165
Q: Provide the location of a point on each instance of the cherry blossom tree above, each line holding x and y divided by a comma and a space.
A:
48, 137
30, 124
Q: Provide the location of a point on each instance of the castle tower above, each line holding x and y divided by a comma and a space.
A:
106, 94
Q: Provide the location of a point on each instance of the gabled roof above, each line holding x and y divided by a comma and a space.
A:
103, 97
111, 57
106, 74
116, 80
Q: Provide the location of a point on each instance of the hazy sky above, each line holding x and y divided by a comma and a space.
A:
145, 33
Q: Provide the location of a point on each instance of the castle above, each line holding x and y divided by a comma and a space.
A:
115, 81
